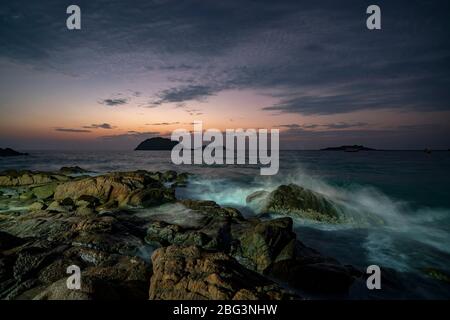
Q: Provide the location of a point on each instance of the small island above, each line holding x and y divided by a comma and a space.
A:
157, 143
354, 148
8, 152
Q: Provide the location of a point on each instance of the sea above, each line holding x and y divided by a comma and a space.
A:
408, 191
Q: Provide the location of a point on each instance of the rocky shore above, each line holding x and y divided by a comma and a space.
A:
108, 225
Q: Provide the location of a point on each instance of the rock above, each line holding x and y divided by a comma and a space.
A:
84, 211
13, 178
27, 195
59, 291
212, 208
36, 206
59, 206
207, 225
87, 201
8, 152
45, 191
72, 170
190, 273
314, 277
111, 278
126, 188
297, 201
150, 197
165, 234
264, 243
169, 176
182, 179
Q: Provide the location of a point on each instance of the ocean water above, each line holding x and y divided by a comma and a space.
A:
407, 190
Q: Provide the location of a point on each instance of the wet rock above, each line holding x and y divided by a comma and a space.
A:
123, 188
26, 195
264, 243
13, 178
87, 201
211, 208
72, 170
111, 278
45, 191
296, 201
150, 197
165, 234
192, 273
60, 206
53, 226
169, 176
36, 206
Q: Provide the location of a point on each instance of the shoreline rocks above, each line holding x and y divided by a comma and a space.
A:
191, 273
107, 224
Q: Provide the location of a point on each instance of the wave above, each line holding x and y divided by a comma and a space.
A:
386, 219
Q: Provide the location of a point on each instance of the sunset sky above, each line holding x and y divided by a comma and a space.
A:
138, 69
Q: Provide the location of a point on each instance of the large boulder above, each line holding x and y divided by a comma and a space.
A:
125, 278
264, 243
296, 201
45, 191
122, 188
194, 222
190, 273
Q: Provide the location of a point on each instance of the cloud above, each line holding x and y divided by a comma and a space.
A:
114, 102
194, 112
99, 126
314, 58
162, 123
184, 93
337, 125
344, 125
72, 130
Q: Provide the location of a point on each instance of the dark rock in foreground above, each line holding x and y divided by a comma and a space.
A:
8, 152
157, 143
190, 273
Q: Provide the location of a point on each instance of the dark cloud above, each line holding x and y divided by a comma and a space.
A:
114, 102
337, 125
314, 57
184, 93
344, 125
161, 124
72, 130
131, 134
99, 126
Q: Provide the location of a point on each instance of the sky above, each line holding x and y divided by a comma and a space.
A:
143, 68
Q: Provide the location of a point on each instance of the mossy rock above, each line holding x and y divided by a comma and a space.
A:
296, 201
45, 192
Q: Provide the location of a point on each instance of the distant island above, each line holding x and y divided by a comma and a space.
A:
8, 152
157, 143
354, 148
